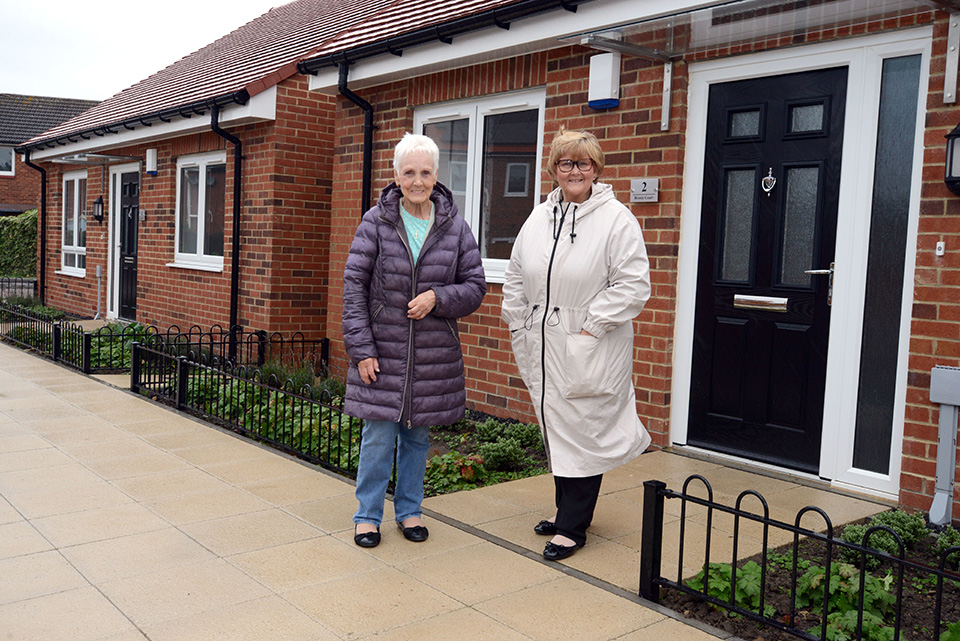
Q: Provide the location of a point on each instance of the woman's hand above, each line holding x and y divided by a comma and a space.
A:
368, 369
422, 305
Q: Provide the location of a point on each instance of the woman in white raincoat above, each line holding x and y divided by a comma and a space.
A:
578, 276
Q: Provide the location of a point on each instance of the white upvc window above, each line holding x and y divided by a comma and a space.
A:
201, 201
8, 161
74, 244
490, 159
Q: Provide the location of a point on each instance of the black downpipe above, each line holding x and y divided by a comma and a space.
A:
235, 258
367, 134
42, 275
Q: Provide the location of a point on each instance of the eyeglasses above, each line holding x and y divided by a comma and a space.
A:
566, 166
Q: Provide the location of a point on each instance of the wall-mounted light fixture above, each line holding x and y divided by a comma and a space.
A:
952, 170
98, 209
151, 167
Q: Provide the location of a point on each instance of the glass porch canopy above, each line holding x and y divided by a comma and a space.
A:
742, 25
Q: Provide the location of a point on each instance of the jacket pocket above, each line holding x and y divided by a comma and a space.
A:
521, 353
587, 370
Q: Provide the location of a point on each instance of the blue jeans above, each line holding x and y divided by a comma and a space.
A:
378, 442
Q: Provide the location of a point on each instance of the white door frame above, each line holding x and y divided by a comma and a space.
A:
113, 244
864, 58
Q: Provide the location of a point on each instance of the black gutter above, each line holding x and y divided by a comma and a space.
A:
199, 108
235, 251
499, 17
42, 280
367, 135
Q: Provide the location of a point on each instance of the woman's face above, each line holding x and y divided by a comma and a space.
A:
416, 177
576, 183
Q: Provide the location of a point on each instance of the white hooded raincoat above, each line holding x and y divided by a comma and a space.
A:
579, 267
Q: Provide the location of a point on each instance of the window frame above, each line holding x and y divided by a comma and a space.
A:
507, 192
475, 110
13, 162
198, 260
79, 207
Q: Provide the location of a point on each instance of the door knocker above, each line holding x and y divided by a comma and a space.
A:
768, 182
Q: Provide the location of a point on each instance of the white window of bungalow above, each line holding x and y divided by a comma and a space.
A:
201, 200
7, 160
490, 159
74, 249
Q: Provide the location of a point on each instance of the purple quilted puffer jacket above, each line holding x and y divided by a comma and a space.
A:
421, 365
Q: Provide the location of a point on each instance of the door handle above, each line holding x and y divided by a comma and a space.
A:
824, 272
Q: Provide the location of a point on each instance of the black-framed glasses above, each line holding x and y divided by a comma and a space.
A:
566, 166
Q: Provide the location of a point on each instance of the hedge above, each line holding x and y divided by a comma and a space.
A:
18, 245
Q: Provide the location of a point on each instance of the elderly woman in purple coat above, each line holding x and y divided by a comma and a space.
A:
414, 268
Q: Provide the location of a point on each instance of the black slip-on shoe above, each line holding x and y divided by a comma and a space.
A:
545, 528
554, 552
367, 539
417, 533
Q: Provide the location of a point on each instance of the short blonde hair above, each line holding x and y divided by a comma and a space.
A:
578, 144
415, 144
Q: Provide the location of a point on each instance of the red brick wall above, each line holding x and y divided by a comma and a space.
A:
284, 223
21, 188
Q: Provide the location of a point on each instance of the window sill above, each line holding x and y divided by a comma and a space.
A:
72, 274
201, 267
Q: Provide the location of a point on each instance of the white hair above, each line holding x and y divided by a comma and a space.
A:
415, 144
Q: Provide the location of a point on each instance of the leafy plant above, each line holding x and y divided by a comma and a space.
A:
453, 471
505, 455
842, 626
720, 580
909, 527
845, 590
947, 539
952, 633
18, 245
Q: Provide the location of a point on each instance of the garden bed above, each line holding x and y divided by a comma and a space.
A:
918, 602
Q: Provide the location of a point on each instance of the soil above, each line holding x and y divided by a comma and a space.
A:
918, 603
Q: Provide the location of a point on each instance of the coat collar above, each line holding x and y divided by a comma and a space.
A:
445, 208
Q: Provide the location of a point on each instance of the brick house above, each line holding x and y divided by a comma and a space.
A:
755, 140
22, 118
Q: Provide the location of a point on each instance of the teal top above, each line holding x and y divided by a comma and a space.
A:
417, 230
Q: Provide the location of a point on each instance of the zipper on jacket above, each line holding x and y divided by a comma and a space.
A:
543, 333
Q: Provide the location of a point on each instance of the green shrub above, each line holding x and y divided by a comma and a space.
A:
18, 245
909, 527
945, 540
493, 430
719, 583
453, 471
504, 456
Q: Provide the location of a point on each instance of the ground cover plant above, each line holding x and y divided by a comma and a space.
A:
923, 546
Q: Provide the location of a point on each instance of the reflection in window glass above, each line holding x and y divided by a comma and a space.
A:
806, 118
215, 200
69, 212
799, 225
6, 160
738, 225
745, 123
74, 236
508, 139
452, 137
189, 199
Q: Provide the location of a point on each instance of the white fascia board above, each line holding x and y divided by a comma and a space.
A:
536, 33
260, 107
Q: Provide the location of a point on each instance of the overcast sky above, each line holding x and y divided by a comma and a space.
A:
95, 48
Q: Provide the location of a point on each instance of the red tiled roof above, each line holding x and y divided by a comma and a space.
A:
254, 57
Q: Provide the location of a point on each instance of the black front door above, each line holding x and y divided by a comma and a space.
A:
769, 216
129, 219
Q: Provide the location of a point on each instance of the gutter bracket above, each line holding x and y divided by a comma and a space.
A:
953, 60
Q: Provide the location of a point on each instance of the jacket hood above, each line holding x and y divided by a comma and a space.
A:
444, 204
599, 194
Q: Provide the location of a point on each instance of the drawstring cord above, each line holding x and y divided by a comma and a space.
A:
563, 216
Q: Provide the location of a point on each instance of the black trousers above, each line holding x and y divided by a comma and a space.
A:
576, 500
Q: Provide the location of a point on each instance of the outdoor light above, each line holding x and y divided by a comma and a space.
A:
952, 173
98, 209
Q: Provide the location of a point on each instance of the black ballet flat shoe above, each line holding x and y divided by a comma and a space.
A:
367, 539
417, 533
545, 528
554, 552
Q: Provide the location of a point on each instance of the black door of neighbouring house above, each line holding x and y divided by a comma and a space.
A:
769, 215
129, 220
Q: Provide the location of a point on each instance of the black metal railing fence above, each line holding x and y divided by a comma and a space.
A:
304, 422
652, 539
18, 288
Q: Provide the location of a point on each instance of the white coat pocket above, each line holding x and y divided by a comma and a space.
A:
587, 370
